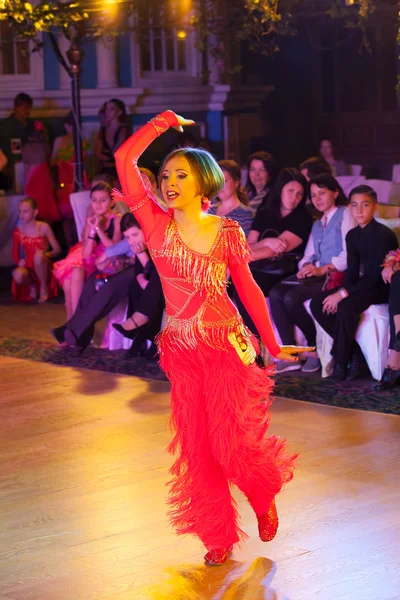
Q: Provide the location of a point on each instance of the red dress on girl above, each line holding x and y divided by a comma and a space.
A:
219, 396
29, 245
63, 268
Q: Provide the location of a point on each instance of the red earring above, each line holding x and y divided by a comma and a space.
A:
205, 204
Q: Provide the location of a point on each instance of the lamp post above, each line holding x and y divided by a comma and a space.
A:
75, 56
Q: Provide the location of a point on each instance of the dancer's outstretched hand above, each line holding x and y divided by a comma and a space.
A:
182, 122
287, 352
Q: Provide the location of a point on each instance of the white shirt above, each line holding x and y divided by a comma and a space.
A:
340, 261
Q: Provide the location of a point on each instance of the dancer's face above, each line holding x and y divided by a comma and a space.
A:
101, 202
178, 184
26, 212
134, 236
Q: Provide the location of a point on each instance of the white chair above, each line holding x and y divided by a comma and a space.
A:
355, 169
372, 337
348, 182
382, 188
396, 174
80, 202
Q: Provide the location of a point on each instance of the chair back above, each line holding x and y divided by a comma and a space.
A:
80, 202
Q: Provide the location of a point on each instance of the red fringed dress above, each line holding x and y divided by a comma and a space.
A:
29, 245
219, 396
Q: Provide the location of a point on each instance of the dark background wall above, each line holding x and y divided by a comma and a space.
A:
326, 86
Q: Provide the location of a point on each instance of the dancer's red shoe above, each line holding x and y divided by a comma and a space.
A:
268, 523
217, 556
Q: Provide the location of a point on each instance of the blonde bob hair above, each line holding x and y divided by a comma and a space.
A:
208, 175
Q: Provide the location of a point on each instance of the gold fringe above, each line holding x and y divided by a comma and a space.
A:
187, 333
206, 272
203, 271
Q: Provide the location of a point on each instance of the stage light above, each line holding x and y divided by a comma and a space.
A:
181, 34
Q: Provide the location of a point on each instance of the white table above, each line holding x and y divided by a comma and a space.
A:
9, 205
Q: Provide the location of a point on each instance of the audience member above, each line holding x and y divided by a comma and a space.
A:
327, 152
325, 257
232, 200
261, 168
38, 178
32, 239
338, 311
111, 135
278, 234
314, 166
137, 281
102, 230
391, 276
15, 131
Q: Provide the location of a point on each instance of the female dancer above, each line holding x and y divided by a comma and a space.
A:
31, 242
219, 396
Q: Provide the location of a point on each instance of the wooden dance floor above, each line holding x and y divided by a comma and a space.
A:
82, 499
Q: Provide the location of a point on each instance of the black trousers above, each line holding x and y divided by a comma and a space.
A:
394, 306
342, 326
95, 305
287, 308
266, 282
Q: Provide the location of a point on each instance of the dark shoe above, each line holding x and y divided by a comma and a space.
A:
138, 348
354, 370
357, 362
58, 333
131, 334
389, 379
339, 373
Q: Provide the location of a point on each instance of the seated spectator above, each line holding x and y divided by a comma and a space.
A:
325, 257
101, 231
327, 152
32, 240
15, 131
138, 281
112, 134
278, 235
261, 168
338, 311
232, 200
314, 166
391, 276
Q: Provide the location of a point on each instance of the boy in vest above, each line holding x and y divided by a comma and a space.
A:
338, 311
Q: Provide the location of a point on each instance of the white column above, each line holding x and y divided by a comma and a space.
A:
107, 73
65, 81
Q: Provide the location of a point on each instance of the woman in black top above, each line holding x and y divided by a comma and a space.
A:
111, 135
280, 229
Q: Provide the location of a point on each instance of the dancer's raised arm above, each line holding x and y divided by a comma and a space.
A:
136, 194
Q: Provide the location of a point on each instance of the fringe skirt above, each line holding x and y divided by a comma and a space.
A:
219, 415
